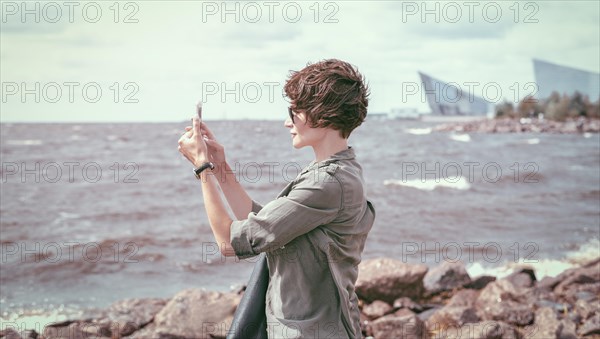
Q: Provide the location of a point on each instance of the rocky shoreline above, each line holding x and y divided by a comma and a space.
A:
523, 125
397, 300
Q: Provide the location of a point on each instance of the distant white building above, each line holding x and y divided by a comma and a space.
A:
564, 80
449, 100
380, 116
404, 113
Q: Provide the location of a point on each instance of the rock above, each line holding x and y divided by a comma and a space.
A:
587, 274
196, 313
585, 309
365, 325
74, 330
522, 278
388, 279
568, 330
466, 297
556, 307
452, 317
487, 330
405, 302
546, 324
501, 301
591, 325
149, 331
445, 277
127, 316
425, 315
391, 326
377, 309
586, 295
403, 312
9, 333
548, 283
480, 282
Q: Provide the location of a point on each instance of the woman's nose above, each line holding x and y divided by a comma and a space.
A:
288, 122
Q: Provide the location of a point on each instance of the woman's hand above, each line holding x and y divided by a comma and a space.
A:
192, 145
216, 151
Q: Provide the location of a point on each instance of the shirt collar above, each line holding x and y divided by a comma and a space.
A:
346, 154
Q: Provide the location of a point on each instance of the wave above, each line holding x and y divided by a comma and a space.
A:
431, 184
542, 267
533, 141
419, 131
25, 142
460, 137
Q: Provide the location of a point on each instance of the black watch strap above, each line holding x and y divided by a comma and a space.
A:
204, 166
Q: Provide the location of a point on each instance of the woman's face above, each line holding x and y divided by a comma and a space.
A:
301, 133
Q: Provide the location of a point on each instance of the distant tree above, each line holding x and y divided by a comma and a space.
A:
577, 106
528, 107
505, 109
555, 107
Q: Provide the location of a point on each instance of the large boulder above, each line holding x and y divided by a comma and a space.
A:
501, 301
591, 325
127, 316
392, 326
196, 313
466, 297
74, 330
547, 325
407, 303
524, 277
452, 317
480, 282
387, 279
445, 277
586, 274
377, 309
486, 330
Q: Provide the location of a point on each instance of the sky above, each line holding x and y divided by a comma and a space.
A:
152, 61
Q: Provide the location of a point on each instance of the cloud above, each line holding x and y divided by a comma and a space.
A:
261, 34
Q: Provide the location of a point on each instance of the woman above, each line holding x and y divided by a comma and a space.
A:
315, 231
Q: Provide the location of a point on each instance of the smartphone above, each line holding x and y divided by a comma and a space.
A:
199, 111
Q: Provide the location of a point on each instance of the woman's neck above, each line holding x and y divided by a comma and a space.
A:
331, 144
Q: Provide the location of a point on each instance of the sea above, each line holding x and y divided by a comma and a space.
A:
92, 213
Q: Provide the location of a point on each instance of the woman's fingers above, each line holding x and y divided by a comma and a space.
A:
209, 133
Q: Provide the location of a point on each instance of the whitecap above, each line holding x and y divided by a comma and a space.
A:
542, 267
460, 137
26, 142
587, 135
419, 131
460, 183
533, 141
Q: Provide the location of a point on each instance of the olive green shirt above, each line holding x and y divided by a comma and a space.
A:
314, 234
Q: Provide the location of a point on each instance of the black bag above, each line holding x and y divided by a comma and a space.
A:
250, 320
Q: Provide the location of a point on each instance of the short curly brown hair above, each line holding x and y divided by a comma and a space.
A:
332, 93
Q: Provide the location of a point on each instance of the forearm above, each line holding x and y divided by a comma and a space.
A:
219, 219
239, 201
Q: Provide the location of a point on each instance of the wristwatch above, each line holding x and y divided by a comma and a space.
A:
204, 166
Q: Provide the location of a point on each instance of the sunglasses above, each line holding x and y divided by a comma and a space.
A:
292, 115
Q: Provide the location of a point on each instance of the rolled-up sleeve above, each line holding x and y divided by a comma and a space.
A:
309, 204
